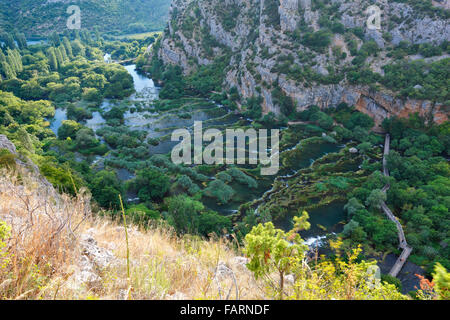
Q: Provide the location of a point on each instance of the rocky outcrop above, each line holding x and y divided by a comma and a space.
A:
416, 27
93, 261
258, 43
289, 15
381, 105
23, 163
8, 145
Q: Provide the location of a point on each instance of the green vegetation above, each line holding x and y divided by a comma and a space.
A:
53, 73
7, 160
271, 10
151, 184
115, 16
330, 158
274, 253
219, 190
420, 187
272, 250
318, 41
187, 215
339, 177
419, 80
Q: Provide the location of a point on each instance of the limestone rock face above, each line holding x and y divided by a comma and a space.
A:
289, 15
422, 29
8, 145
223, 271
100, 257
289, 279
380, 105
93, 260
256, 45
26, 164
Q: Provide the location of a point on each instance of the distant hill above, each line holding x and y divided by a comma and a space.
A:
41, 17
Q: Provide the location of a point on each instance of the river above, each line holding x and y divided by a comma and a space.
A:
161, 124
325, 220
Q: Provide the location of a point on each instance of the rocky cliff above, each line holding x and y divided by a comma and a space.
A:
307, 49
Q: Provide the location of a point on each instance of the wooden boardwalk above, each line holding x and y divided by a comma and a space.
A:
401, 235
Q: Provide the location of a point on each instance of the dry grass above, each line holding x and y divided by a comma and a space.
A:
43, 251
164, 266
42, 236
52, 252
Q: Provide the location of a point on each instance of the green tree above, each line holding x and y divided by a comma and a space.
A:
21, 40
441, 279
52, 59
272, 250
151, 184
105, 188
364, 147
183, 213
219, 190
63, 53
92, 95
142, 215
68, 47
213, 222
354, 231
54, 38
7, 71
85, 139
375, 198
59, 57
353, 206
9, 40
69, 129
186, 184
78, 49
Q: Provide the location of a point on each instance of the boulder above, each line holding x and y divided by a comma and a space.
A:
8, 145
289, 279
223, 271
240, 262
101, 258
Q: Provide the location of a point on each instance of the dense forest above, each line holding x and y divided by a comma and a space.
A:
116, 16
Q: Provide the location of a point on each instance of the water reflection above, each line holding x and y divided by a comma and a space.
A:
60, 116
142, 84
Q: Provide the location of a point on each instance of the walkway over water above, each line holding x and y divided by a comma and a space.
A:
401, 235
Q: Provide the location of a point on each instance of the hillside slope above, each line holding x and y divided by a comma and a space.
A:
319, 52
52, 246
38, 18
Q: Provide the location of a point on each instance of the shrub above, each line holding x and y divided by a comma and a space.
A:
151, 184
142, 215
219, 190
